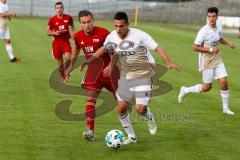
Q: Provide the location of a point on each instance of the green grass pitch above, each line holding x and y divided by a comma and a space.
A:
30, 130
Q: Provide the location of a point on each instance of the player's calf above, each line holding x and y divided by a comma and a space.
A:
185, 90
90, 115
144, 110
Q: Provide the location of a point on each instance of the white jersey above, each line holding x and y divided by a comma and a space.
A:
219, 24
3, 9
209, 38
133, 52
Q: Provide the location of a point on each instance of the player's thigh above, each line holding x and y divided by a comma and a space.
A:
5, 34
67, 49
123, 92
57, 50
143, 91
220, 72
110, 85
1, 33
95, 87
207, 75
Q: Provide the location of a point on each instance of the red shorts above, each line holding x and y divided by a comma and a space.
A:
110, 83
59, 47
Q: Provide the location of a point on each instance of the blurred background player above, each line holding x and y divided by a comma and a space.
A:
89, 39
5, 17
58, 27
211, 65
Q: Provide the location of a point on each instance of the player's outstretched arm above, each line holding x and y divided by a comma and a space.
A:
226, 42
73, 30
114, 59
75, 54
7, 15
74, 57
101, 51
166, 59
53, 33
199, 48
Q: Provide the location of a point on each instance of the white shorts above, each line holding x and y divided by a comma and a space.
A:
141, 89
214, 73
5, 33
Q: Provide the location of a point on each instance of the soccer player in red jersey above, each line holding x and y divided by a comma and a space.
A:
58, 27
90, 39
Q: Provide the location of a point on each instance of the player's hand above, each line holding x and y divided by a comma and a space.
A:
72, 34
231, 45
83, 65
56, 33
215, 50
107, 71
171, 66
69, 69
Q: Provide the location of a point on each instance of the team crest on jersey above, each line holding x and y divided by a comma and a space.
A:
82, 42
96, 40
126, 45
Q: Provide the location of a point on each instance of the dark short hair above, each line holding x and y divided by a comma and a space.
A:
121, 16
212, 10
84, 13
58, 3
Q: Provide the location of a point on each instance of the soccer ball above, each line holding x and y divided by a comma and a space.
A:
114, 139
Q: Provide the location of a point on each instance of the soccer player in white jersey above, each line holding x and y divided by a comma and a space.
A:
131, 46
4, 30
211, 65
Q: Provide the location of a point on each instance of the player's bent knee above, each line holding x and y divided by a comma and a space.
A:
207, 87
141, 109
7, 41
67, 55
224, 87
122, 107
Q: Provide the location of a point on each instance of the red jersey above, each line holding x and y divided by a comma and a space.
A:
90, 44
62, 25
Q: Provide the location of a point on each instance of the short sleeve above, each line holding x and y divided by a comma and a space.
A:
108, 45
148, 41
106, 41
200, 38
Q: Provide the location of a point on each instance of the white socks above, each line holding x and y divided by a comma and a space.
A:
194, 89
198, 88
127, 124
9, 51
225, 97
